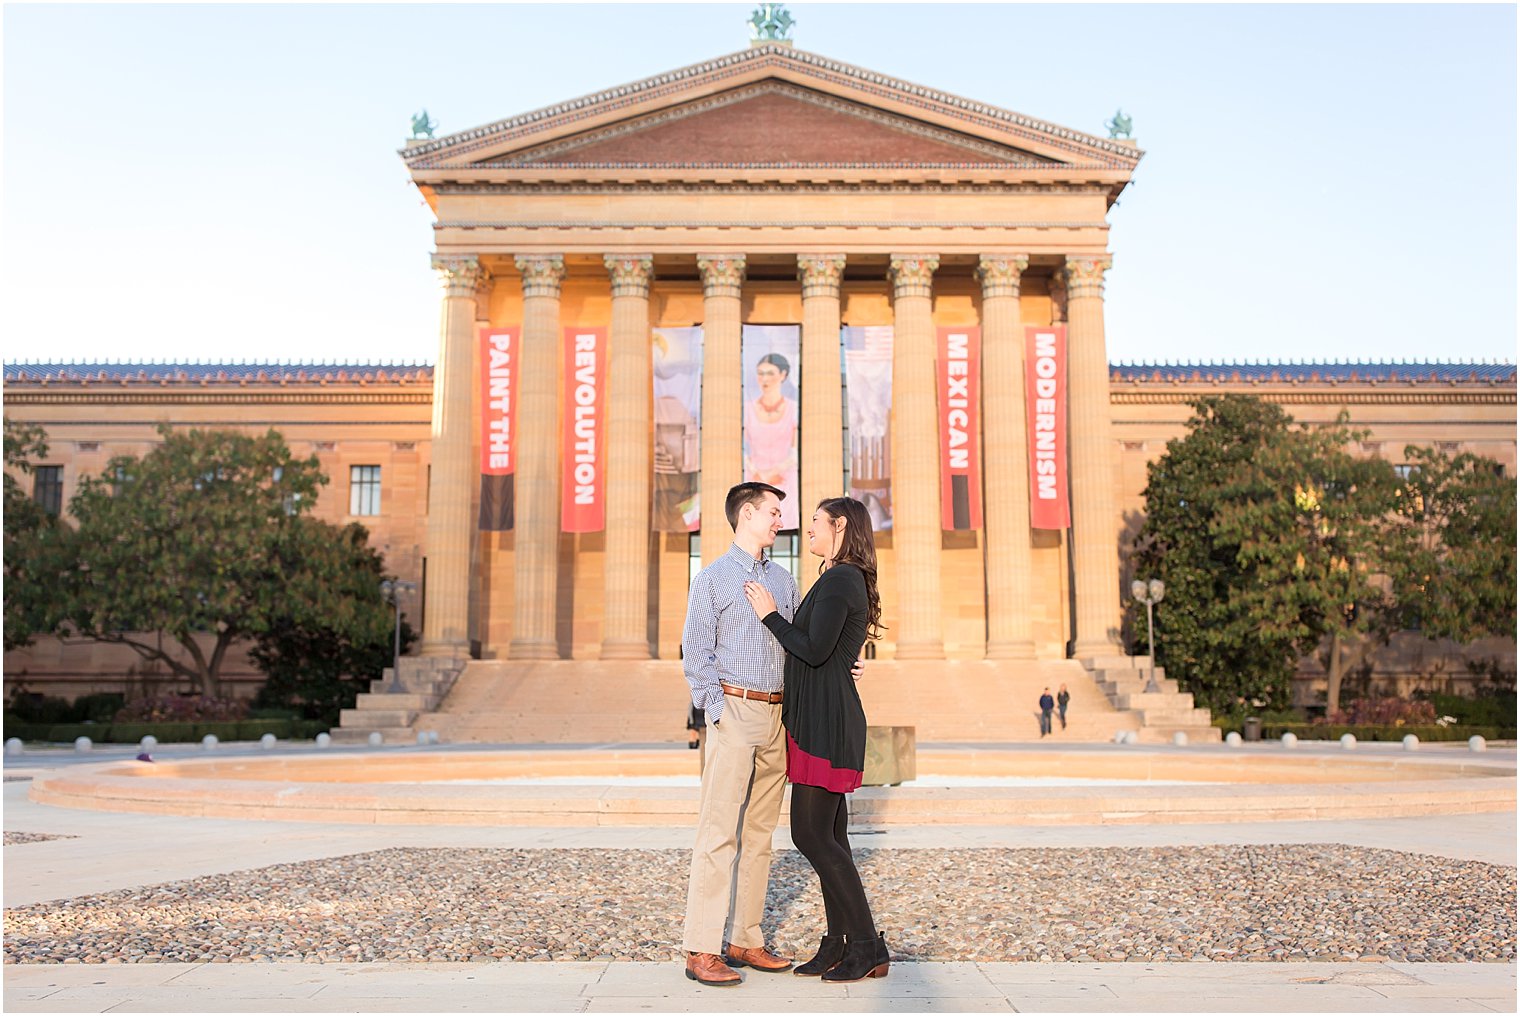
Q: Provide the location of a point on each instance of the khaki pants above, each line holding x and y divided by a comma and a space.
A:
743, 781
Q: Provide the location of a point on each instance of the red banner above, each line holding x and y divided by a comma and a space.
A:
584, 497
1045, 381
499, 351
959, 377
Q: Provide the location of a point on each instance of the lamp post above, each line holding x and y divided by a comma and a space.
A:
392, 589
1150, 594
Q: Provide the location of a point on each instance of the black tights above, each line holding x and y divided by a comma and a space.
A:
820, 819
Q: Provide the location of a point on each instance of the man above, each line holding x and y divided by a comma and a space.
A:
1047, 706
734, 666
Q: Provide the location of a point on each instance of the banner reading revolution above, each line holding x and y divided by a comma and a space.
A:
1045, 381
499, 350
959, 381
868, 397
770, 357
677, 429
583, 499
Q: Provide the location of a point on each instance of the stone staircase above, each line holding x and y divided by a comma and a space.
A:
1161, 714
393, 703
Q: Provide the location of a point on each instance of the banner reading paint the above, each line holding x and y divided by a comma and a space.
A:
499, 352
583, 499
770, 355
959, 381
1045, 379
868, 397
677, 358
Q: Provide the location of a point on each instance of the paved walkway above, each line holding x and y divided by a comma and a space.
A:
115, 851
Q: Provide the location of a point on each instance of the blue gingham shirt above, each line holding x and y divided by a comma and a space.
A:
724, 641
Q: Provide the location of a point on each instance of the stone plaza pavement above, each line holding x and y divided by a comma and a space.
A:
68, 869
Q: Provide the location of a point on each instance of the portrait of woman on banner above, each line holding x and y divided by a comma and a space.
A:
770, 433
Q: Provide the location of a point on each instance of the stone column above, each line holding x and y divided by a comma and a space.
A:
722, 396
446, 627
915, 460
1005, 465
1094, 519
822, 407
535, 565
480, 543
630, 408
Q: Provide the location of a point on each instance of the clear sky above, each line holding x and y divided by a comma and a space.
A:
221, 182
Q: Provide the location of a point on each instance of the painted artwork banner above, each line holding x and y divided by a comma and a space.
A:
770, 355
677, 359
500, 349
1045, 381
868, 398
958, 370
583, 497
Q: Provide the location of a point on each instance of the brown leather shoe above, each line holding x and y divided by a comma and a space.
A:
759, 958
709, 968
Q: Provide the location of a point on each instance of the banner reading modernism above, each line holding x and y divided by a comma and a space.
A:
677, 428
499, 349
868, 395
583, 498
770, 355
959, 368
1045, 380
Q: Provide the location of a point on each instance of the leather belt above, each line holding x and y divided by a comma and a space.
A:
773, 697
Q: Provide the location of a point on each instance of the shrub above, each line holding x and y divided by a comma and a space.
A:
34, 707
1396, 712
101, 707
183, 709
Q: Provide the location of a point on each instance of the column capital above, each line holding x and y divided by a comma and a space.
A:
912, 274
542, 274
1084, 274
722, 274
459, 273
820, 274
631, 273
1000, 273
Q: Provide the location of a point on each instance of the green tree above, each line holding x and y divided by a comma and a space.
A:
206, 534
318, 661
31, 541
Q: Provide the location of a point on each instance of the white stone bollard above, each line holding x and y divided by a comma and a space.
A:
1348, 741
83, 744
432, 737
376, 739
1289, 739
422, 737
1476, 743
1411, 743
148, 742
209, 742
1179, 739
267, 741
324, 739
1232, 739
13, 746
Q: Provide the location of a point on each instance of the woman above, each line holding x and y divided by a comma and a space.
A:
770, 433
826, 727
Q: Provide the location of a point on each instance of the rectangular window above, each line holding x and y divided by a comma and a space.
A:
364, 490
47, 488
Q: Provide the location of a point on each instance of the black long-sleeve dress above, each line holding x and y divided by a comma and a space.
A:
820, 708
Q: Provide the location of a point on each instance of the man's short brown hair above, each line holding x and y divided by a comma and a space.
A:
750, 492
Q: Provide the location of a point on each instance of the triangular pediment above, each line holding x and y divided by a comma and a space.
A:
769, 106
768, 123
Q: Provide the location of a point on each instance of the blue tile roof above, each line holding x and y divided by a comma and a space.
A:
1352, 371
220, 373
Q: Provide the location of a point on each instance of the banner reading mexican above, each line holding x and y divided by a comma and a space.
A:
1045, 381
868, 397
499, 352
958, 370
677, 357
583, 498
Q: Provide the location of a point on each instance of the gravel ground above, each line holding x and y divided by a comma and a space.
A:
1269, 903
11, 837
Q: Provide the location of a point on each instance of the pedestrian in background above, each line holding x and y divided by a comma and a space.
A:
1063, 698
1047, 706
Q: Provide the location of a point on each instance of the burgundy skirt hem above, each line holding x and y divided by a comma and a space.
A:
813, 771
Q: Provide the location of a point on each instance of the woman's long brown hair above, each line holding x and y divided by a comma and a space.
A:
859, 549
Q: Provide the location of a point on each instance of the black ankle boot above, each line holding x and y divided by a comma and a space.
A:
830, 952
863, 957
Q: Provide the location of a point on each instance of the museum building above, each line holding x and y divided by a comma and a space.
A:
769, 265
